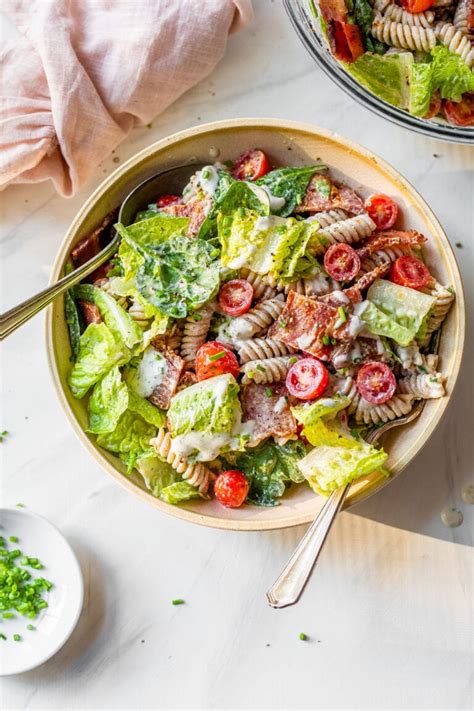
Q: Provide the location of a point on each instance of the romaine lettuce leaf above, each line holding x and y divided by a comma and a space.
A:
98, 353
407, 307
387, 76
108, 401
122, 326
280, 247
73, 323
143, 407
230, 196
154, 231
205, 419
325, 407
443, 71
163, 481
289, 184
380, 324
130, 439
270, 469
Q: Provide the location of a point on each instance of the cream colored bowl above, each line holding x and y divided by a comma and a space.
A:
286, 143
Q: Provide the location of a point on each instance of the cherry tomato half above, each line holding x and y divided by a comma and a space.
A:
460, 113
307, 379
235, 297
213, 358
409, 271
341, 262
231, 488
382, 210
416, 6
435, 106
166, 200
376, 382
251, 165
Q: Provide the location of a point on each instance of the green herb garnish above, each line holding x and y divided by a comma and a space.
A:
268, 392
217, 356
303, 637
17, 637
30, 627
3, 435
342, 314
281, 323
19, 592
178, 601
326, 340
13, 539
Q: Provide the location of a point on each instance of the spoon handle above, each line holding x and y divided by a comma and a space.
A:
286, 590
18, 315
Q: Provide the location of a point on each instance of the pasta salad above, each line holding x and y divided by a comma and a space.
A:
250, 331
417, 55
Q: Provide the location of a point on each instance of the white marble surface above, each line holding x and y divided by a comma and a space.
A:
388, 614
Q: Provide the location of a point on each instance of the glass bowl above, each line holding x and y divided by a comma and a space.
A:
302, 17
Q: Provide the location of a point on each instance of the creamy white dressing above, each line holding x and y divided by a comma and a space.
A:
355, 324
208, 179
340, 360
149, 373
207, 445
327, 402
276, 203
267, 222
339, 297
280, 405
303, 342
409, 355
240, 329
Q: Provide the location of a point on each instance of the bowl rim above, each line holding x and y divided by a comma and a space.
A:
303, 26
293, 519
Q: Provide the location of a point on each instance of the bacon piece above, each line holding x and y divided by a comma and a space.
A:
90, 312
173, 368
354, 292
91, 244
188, 378
260, 406
390, 238
304, 322
322, 194
196, 211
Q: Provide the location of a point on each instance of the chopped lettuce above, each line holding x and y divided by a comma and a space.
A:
108, 401
98, 353
122, 326
163, 481
229, 196
387, 76
154, 231
270, 469
443, 71
130, 439
205, 419
405, 307
288, 184
144, 408
280, 247
324, 407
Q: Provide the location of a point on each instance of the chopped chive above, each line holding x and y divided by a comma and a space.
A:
292, 361
282, 323
20, 506
217, 356
178, 601
206, 173
2, 636
422, 368
268, 392
433, 379
3, 435
326, 340
260, 368
342, 314
245, 437
333, 341
8, 615
303, 637
357, 359
197, 317
17, 637
250, 374
30, 627
13, 539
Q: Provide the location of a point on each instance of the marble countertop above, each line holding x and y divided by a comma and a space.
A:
388, 613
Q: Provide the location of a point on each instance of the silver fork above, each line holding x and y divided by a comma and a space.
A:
287, 589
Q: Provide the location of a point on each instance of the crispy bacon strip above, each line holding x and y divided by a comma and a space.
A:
196, 211
89, 311
259, 406
354, 292
91, 244
390, 238
322, 194
163, 392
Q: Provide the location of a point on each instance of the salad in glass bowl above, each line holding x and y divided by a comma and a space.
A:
250, 331
416, 56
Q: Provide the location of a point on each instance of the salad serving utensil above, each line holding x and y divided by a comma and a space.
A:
167, 181
288, 587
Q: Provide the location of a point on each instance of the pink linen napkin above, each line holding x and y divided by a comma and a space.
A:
85, 72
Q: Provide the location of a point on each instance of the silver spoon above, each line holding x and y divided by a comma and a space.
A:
169, 181
287, 589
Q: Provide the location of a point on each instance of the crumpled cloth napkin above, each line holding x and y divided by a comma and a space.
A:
85, 72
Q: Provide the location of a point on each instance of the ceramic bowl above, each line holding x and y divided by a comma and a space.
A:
286, 143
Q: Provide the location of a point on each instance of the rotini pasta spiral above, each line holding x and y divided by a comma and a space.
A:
269, 370
137, 312
423, 386
261, 288
390, 254
106, 285
197, 474
351, 230
262, 348
257, 319
455, 41
395, 13
460, 20
444, 300
173, 339
328, 218
195, 331
380, 5
403, 36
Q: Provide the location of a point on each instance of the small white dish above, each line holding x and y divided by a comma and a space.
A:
40, 539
